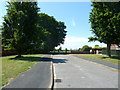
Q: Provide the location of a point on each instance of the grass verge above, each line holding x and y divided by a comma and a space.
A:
12, 66
113, 59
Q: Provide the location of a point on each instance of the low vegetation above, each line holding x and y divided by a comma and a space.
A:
113, 59
13, 66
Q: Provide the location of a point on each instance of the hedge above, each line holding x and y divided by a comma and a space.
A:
113, 52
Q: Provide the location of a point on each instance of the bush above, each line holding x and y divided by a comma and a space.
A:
86, 48
113, 52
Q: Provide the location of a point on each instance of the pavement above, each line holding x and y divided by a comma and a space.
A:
67, 71
74, 72
39, 76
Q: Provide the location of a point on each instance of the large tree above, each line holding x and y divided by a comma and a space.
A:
54, 32
19, 27
105, 23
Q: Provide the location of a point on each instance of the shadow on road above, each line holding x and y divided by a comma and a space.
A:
59, 60
113, 57
60, 53
45, 59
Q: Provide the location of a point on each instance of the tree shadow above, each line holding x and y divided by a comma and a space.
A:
33, 59
104, 57
60, 53
45, 59
59, 60
113, 57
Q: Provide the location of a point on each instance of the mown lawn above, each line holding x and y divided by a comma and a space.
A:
113, 59
12, 66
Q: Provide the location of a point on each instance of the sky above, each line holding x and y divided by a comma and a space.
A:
75, 15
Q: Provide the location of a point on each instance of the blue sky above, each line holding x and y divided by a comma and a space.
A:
75, 15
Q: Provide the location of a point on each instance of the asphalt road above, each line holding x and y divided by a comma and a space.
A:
73, 72
39, 76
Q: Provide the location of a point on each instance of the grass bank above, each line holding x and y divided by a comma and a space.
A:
12, 66
113, 59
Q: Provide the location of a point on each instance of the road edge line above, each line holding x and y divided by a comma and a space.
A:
51, 85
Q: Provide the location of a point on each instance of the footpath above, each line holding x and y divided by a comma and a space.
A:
39, 76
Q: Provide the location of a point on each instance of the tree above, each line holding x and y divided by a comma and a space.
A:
66, 50
54, 32
105, 23
79, 49
86, 48
19, 27
96, 47
60, 48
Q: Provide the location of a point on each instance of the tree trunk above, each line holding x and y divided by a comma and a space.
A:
66, 51
108, 50
19, 55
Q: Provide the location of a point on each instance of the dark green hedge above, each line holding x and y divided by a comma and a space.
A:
113, 52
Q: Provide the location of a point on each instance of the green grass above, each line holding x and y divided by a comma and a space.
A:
0, 72
12, 66
113, 59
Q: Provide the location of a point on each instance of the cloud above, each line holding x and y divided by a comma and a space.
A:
75, 39
73, 23
78, 42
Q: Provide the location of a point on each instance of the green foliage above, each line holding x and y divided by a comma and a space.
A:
92, 39
66, 50
27, 31
113, 52
105, 23
60, 48
97, 47
54, 32
19, 26
86, 48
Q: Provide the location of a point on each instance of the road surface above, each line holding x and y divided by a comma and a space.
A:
73, 72
39, 76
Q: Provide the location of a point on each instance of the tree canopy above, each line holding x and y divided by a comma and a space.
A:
54, 31
96, 47
19, 26
86, 48
105, 23
27, 31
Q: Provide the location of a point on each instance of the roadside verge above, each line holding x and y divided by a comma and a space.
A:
115, 66
39, 76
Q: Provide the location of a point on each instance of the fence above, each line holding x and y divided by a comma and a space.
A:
113, 52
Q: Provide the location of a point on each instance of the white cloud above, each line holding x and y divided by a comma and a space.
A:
75, 39
73, 23
78, 42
